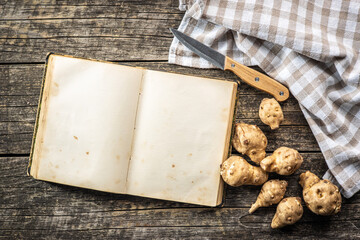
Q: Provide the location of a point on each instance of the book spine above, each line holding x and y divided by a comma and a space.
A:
133, 137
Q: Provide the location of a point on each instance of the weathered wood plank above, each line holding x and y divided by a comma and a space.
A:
160, 218
32, 9
346, 229
33, 50
28, 206
90, 28
115, 30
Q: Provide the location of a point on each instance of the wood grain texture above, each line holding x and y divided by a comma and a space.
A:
134, 33
111, 30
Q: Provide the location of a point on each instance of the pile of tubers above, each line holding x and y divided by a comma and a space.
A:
320, 196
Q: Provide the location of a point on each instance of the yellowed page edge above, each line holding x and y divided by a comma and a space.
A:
42, 109
227, 141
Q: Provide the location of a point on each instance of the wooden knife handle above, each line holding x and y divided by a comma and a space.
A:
257, 80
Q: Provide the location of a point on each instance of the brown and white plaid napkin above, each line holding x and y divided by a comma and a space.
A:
310, 46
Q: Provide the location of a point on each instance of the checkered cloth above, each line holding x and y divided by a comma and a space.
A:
311, 47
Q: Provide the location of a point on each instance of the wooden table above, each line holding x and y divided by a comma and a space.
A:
134, 33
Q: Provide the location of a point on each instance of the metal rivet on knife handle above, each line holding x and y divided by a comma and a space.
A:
257, 79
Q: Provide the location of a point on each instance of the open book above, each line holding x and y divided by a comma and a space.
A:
134, 131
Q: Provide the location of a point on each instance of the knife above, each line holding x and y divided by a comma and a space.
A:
248, 75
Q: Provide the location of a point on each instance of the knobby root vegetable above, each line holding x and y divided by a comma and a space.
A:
283, 161
270, 113
271, 193
288, 212
250, 140
236, 171
320, 196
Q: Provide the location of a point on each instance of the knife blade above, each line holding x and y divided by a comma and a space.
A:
248, 75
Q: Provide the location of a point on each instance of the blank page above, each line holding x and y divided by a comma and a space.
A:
182, 130
86, 123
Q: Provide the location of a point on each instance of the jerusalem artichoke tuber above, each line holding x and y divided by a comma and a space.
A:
250, 140
320, 196
283, 161
270, 113
288, 212
236, 171
271, 193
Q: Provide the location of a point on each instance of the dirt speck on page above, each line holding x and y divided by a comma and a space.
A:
173, 165
76, 138
87, 153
